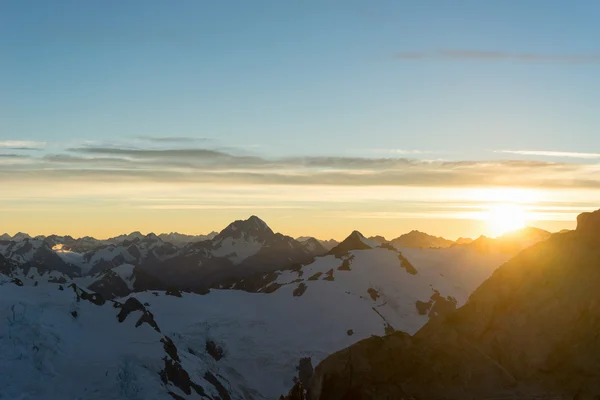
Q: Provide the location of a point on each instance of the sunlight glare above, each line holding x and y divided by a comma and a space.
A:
503, 218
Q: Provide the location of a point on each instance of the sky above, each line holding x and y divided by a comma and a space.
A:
320, 117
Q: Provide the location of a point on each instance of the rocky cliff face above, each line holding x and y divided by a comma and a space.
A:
530, 331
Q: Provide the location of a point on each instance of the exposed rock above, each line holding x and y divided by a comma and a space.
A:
373, 293
404, 263
315, 276
299, 291
170, 348
176, 396
17, 281
214, 350
329, 275
81, 294
345, 264
173, 292
175, 374
147, 318
222, 390
305, 371
132, 304
423, 307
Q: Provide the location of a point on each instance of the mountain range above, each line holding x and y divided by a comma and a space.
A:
241, 315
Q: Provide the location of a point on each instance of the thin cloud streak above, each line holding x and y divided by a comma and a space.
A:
483, 55
175, 139
546, 153
21, 145
207, 166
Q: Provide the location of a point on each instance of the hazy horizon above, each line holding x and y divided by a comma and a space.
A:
338, 238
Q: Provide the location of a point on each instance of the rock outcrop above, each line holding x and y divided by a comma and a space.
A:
531, 331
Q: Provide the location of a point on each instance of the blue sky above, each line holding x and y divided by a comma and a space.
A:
428, 80
302, 77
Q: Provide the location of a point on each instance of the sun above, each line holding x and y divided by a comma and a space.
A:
504, 218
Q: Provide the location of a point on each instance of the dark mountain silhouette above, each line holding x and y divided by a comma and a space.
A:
420, 240
511, 242
355, 241
531, 331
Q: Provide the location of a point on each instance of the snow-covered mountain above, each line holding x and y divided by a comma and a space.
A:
242, 249
235, 344
181, 239
327, 244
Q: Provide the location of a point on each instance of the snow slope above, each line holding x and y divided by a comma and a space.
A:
313, 311
264, 335
46, 353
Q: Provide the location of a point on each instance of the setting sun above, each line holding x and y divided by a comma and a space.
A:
504, 218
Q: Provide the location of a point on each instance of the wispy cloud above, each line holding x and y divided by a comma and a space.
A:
173, 139
401, 151
12, 156
21, 145
486, 55
209, 166
557, 154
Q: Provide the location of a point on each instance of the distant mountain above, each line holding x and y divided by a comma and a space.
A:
327, 244
128, 237
181, 239
511, 242
17, 237
529, 332
314, 246
35, 253
420, 240
243, 248
379, 239
462, 240
355, 241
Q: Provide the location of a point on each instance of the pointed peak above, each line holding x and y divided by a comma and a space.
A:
257, 221
356, 234
252, 226
355, 241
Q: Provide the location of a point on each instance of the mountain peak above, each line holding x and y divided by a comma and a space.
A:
355, 241
356, 234
259, 223
418, 239
588, 224
251, 227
